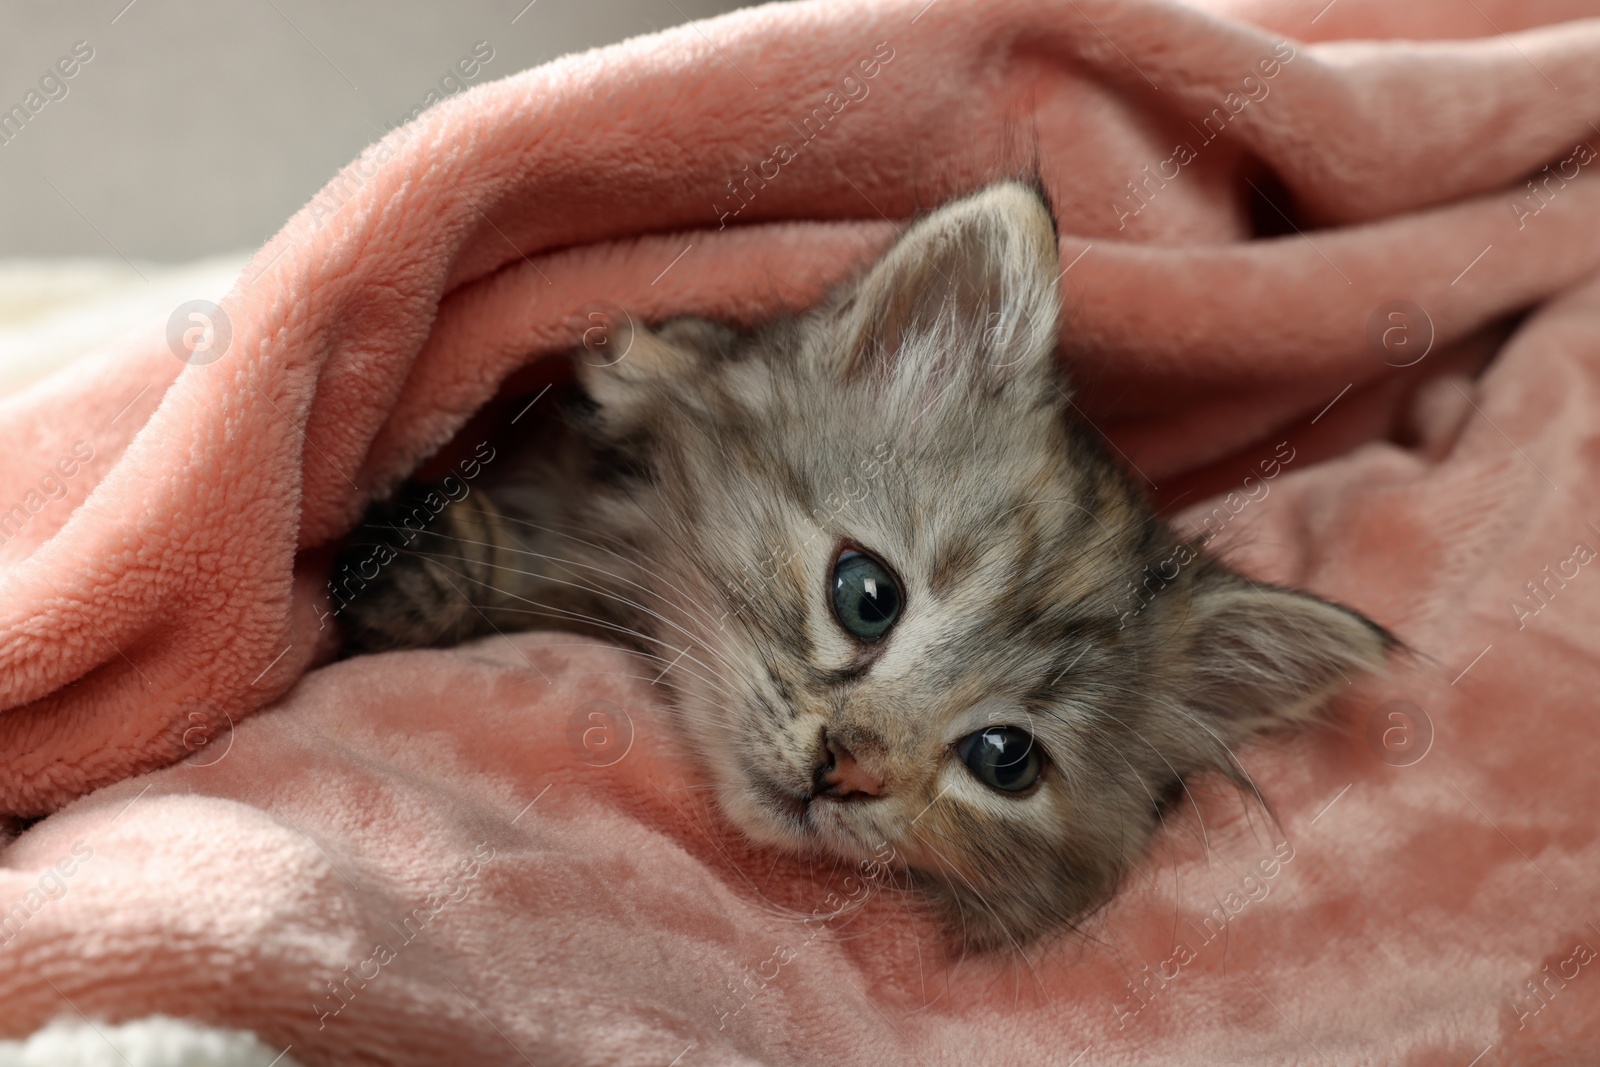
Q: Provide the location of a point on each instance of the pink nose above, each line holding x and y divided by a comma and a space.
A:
842, 776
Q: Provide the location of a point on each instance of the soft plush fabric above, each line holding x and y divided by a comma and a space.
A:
54, 310
496, 855
154, 1042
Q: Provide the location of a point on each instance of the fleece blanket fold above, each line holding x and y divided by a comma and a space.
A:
1332, 290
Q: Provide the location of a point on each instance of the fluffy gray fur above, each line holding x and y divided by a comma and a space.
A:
696, 511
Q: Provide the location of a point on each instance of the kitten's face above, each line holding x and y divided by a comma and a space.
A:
910, 591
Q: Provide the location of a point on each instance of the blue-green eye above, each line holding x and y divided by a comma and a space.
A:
1001, 757
866, 597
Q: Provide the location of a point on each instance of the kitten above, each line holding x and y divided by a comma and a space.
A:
889, 577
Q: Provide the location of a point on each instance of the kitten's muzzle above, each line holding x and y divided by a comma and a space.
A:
790, 804
839, 775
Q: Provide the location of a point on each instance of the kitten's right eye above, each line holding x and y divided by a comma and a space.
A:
866, 597
1001, 757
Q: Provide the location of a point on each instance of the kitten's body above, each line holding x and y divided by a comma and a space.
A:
711, 496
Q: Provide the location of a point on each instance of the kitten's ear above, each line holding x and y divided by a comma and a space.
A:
630, 373
969, 291
1265, 656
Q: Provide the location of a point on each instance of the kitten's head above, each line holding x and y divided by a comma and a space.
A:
918, 608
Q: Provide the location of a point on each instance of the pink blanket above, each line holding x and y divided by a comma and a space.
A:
495, 855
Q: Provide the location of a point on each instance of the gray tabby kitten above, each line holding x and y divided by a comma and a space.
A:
907, 604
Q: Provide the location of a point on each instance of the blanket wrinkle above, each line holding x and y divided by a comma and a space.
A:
416, 858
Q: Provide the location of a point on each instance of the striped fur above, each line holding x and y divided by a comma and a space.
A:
709, 480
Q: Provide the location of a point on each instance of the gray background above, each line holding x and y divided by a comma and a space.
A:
200, 127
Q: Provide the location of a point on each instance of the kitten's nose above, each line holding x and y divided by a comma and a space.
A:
840, 775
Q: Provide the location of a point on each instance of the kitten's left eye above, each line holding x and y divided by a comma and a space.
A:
866, 597
1001, 757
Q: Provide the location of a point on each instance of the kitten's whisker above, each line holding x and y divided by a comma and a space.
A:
1129, 867
694, 639
639, 552
597, 589
565, 530
554, 611
1214, 735
682, 535
1127, 861
763, 902
450, 537
1161, 818
1039, 982
1205, 837
1110, 537
714, 682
